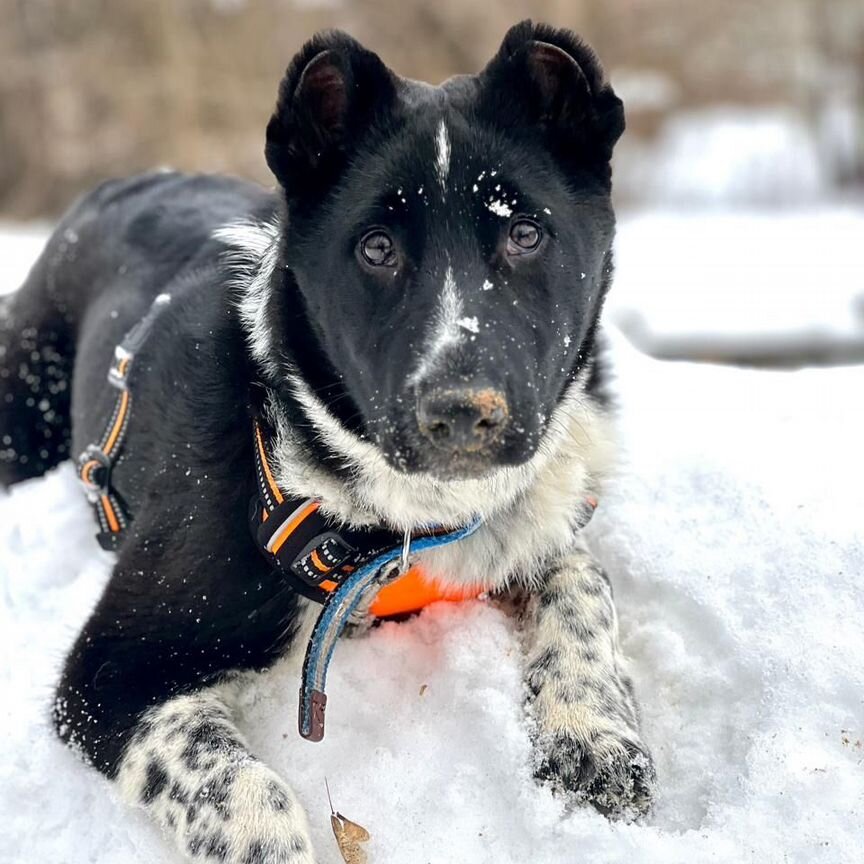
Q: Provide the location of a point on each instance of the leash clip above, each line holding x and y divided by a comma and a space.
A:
398, 567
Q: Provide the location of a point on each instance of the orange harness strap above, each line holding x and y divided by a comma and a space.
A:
97, 461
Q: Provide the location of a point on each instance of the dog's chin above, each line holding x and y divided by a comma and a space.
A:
461, 468
439, 467
451, 467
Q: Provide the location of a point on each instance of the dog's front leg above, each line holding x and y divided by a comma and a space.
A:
588, 725
147, 691
190, 768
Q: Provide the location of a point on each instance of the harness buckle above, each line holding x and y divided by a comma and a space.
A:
322, 559
118, 372
94, 471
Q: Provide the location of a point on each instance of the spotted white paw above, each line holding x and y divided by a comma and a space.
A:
613, 773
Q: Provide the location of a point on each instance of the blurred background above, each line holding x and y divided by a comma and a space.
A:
740, 181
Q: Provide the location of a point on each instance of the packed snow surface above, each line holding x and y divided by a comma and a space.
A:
733, 536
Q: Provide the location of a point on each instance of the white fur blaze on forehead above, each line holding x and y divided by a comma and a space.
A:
451, 304
447, 329
442, 153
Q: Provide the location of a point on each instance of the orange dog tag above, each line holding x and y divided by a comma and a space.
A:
412, 592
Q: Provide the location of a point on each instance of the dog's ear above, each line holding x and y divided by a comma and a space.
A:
549, 79
333, 90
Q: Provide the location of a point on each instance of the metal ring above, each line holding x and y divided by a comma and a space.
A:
406, 552
93, 489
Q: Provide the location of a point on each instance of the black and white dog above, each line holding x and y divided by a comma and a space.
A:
415, 312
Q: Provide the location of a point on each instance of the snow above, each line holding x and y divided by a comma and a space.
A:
733, 538
499, 208
726, 155
19, 246
472, 324
740, 279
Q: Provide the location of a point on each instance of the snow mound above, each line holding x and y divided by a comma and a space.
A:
757, 283
733, 538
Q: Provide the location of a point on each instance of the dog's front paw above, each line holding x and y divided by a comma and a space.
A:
614, 774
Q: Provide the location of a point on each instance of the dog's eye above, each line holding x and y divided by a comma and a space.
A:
525, 237
378, 249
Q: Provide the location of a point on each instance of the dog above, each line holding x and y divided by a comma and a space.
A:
413, 318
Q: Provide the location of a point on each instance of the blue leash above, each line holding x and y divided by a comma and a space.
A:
340, 605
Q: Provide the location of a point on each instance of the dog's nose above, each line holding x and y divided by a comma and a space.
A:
463, 419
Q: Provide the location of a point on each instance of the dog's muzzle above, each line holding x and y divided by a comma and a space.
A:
462, 420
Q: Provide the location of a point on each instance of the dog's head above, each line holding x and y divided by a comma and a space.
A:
446, 249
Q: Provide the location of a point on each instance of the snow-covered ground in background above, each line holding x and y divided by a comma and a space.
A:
733, 536
19, 247
731, 155
733, 281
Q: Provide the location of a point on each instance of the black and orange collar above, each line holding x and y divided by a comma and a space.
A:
310, 549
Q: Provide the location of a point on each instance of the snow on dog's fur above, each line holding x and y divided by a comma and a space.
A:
416, 314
